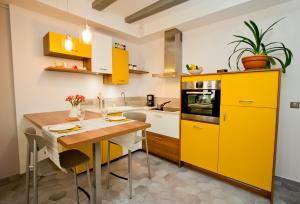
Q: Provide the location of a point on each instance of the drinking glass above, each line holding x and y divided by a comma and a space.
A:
81, 115
104, 112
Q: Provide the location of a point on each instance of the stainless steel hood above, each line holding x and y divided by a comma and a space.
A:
173, 54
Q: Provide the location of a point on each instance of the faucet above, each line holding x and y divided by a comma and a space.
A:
124, 98
161, 106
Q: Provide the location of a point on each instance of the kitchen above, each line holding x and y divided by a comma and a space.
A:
37, 90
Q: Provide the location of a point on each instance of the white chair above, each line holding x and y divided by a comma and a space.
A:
127, 142
68, 159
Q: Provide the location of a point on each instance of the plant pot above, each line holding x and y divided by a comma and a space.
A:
255, 62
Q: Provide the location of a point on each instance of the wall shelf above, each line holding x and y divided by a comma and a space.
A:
138, 72
70, 70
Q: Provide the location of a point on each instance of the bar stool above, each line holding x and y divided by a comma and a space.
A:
127, 141
68, 159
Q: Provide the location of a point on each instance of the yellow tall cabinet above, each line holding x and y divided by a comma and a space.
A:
242, 147
248, 127
120, 70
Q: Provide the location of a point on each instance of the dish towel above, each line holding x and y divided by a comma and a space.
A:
86, 125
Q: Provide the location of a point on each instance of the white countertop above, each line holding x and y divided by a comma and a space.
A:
117, 109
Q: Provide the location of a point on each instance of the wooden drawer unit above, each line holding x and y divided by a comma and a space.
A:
199, 144
256, 89
163, 146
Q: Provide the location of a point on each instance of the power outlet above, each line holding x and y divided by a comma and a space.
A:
295, 105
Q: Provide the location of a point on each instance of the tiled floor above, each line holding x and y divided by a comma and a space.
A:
169, 184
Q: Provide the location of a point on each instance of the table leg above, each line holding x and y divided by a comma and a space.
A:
97, 173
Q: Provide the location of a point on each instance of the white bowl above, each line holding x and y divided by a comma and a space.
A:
196, 71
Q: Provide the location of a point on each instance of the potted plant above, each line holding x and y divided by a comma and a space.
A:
75, 101
263, 54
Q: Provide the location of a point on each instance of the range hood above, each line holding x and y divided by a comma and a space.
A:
173, 54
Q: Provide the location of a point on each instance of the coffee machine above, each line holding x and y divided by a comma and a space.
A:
150, 100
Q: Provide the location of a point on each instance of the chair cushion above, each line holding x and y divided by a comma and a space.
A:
126, 141
72, 158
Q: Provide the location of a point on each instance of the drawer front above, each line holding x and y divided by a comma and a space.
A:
163, 123
201, 78
163, 146
199, 144
258, 89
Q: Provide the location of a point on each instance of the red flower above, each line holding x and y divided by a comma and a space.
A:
75, 100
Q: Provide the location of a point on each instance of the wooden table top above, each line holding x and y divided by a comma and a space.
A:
93, 136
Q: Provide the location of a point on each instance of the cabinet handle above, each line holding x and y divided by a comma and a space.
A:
198, 127
247, 101
122, 80
103, 69
225, 116
159, 116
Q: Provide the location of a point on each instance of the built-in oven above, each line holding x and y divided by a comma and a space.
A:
200, 101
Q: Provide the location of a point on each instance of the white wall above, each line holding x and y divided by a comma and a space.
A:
207, 46
37, 90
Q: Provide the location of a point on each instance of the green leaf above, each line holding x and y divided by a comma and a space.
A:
270, 27
250, 42
256, 35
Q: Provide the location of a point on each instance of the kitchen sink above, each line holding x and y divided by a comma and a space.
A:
167, 109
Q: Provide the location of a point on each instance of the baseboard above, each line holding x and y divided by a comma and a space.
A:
9, 179
287, 181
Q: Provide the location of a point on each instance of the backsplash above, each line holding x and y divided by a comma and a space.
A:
133, 101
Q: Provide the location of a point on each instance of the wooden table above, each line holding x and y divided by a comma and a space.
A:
90, 137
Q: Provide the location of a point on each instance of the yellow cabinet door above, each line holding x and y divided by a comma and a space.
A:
199, 144
120, 71
256, 89
246, 145
115, 151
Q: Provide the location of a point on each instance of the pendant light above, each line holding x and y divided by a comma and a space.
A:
86, 33
68, 41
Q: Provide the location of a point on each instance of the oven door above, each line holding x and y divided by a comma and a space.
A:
201, 105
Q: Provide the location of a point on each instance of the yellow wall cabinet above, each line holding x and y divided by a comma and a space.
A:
246, 135
120, 71
199, 144
54, 46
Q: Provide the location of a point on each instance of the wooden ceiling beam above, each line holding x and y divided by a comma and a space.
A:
152, 9
102, 4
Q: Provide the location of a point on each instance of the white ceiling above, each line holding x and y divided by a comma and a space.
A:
125, 8
188, 15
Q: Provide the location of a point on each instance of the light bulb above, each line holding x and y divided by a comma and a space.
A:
87, 34
68, 43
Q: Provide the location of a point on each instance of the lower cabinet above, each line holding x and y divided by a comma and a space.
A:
163, 146
199, 144
247, 143
115, 151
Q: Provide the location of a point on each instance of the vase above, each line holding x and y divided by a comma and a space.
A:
74, 111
